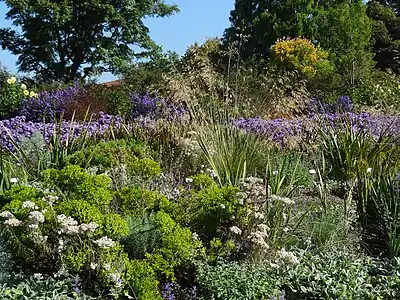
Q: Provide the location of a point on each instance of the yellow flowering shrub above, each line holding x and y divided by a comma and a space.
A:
11, 95
300, 54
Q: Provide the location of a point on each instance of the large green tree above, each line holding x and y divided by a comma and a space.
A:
340, 26
68, 39
257, 24
385, 16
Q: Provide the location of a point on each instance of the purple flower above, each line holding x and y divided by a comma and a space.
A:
49, 105
167, 291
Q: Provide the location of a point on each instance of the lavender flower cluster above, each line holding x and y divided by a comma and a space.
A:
19, 128
145, 105
49, 105
342, 105
280, 130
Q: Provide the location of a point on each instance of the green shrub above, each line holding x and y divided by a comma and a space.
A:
20, 194
202, 181
142, 280
236, 281
145, 168
81, 210
105, 155
115, 227
143, 237
138, 202
178, 247
76, 183
211, 211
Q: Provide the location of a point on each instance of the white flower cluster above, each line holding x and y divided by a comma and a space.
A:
104, 242
29, 205
91, 227
50, 199
284, 200
35, 217
11, 220
236, 230
190, 146
288, 257
258, 237
6, 215
255, 189
14, 222
70, 226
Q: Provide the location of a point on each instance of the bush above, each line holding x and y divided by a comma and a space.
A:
212, 211
142, 280
178, 247
138, 202
11, 95
237, 281
77, 184
109, 154
48, 235
300, 54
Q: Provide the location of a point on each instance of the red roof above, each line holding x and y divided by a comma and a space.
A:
113, 83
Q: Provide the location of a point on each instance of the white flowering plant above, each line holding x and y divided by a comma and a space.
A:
12, 93
269, 220
53, 243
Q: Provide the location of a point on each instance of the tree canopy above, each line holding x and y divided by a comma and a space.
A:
71, 39
385, 16
342, 27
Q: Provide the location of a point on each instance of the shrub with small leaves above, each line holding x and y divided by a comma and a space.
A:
142, 280
105, 155
137, 201
178, 247
236, 281
78, 184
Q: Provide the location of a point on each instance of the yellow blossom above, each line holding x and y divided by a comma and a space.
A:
26, 92
32, 94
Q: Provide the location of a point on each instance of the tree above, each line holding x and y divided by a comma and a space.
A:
344, 30
71, 39
385, 17
258, 24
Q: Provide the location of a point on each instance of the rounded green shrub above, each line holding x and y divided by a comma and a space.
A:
115, 227
137, 201
145, 168
77, 184
80, 210
105, 155
177, 246
142, 279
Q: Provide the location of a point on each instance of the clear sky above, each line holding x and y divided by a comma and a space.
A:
197, 20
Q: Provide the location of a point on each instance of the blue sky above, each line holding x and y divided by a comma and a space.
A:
197, 21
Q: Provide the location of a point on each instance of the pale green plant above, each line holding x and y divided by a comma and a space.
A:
228, 149
348, 152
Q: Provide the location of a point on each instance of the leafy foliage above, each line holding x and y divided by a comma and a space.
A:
74, 39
